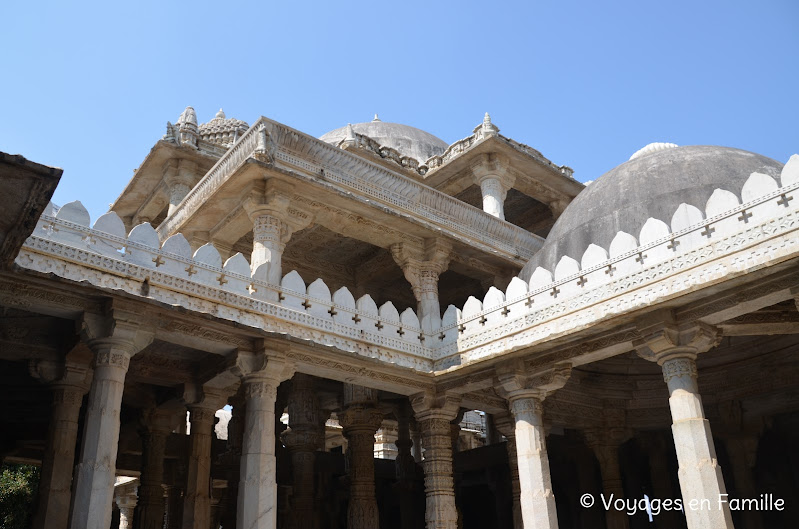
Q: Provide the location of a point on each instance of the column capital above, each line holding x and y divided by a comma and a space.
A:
666, 340
431, 405
119, 331
433, 257
492, 165
359, 417
515, 383
262, 365
74, 371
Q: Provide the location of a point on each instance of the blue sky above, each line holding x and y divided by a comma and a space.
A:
90, 87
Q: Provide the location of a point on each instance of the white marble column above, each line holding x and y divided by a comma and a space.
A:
422, 267
491, 174
536, 497
257, 503
127, 506
197, 500
434, 414
526, 395
675, 349
94, 481
493, 196
360, 420
268, 232
68, 383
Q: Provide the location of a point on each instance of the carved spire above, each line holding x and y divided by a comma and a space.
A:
487, 128
376, 118
220, 114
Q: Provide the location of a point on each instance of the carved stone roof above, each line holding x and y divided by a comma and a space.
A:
651, 184
222, 130
409, 141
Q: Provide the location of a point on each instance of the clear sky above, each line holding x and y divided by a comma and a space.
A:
89, 87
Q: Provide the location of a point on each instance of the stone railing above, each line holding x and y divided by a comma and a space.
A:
325, 162
106, 256
602, 283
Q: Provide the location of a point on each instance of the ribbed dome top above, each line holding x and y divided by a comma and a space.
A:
409, 141
652, 184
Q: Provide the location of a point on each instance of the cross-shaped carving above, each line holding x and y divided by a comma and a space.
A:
483, 320
530, 301
461, 328
582, 281
332, 311
221, 279
708, 231
609, 270
784, 199
442, 336
421, 337
400, 332
640, 258
356, 319
673, 244
158, 260
554, 292
306, 304
505, 311
191, 271
280, 296
745, 216
252, 287
379, 325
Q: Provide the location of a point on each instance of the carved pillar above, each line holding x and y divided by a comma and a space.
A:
179, 177
156, 427
605, 443
114, 342
675, 348
269, 235
197, 499
526, 395
127, 506
421, 267
257, 504
360, 420
491, 174
302, 440
434, 414
69, 381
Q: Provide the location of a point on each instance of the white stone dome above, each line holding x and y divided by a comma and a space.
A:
408, 141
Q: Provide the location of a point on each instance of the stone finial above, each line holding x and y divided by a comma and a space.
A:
220, 114
189, 116
350, 140
376, 118
488, 129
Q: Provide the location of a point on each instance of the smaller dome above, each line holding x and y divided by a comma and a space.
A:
651, 184
222, 130
408, 141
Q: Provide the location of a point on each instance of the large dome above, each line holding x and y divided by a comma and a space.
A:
652, 184
409, 141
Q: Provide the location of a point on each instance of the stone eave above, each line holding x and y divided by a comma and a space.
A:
315, 160
536, 169
148, 175
26, 188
